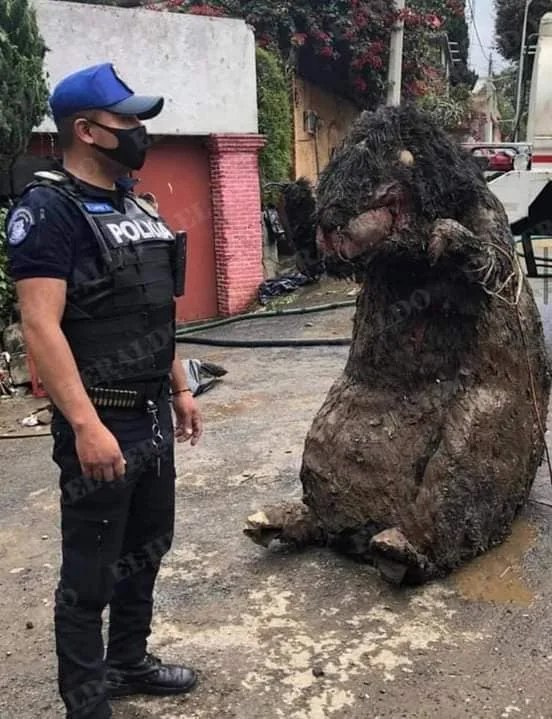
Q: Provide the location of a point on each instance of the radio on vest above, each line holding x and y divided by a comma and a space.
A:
180, 250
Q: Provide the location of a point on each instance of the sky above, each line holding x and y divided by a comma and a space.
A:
484, 18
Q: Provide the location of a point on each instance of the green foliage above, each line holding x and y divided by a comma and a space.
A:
454, 111
7, 293
23, 96
457, 30
343, 45
506, 89
22, 87
509, 24
275, 121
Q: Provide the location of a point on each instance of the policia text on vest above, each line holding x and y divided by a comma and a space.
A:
137, 231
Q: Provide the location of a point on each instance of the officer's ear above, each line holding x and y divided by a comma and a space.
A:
66, 132
81, 130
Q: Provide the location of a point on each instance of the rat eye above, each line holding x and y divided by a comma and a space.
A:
407, 158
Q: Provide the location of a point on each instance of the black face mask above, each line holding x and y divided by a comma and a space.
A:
132, 147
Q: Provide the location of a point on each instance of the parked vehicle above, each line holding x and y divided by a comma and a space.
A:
520, 174
501, 157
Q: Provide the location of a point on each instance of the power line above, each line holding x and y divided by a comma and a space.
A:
476, 29
471, 29
480, 42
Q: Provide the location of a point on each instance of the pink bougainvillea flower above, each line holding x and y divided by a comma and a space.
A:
299, 38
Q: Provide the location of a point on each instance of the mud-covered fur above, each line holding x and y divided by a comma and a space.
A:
428, 444
444, 181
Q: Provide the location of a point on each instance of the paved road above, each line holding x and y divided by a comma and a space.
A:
257, 624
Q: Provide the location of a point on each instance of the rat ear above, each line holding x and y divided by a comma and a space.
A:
407, 158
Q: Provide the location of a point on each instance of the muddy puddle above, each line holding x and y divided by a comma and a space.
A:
497, 576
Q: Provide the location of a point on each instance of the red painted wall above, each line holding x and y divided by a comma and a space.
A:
177, 172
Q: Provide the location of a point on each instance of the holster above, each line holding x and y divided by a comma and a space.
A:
180, 257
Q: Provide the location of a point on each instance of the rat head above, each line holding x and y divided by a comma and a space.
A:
395, 173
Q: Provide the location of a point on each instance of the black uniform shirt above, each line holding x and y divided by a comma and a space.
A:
46, 231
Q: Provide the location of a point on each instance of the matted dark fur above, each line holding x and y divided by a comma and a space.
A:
428, 444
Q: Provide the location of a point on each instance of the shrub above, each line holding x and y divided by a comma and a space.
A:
275, 121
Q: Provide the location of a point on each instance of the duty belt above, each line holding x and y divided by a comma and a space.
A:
127, 396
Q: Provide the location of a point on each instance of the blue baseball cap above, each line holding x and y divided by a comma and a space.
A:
100, 88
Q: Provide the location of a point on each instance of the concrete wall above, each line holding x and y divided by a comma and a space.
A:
204, 67
312, 153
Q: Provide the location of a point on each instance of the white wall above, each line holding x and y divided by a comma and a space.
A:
204, 67
539, 121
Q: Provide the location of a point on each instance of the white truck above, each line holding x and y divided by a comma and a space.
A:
525, 188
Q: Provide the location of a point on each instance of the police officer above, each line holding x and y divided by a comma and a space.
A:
95, 272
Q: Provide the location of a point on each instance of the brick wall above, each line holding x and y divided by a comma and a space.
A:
236, 199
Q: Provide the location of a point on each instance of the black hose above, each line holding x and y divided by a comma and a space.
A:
186, 335
264, 315
217, 342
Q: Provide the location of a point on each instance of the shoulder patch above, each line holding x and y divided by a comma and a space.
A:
19, 225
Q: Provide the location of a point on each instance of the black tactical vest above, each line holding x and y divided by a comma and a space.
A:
119, 317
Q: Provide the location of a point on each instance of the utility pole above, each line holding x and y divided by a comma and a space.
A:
473, 37
519, 98
394, 79
491, 99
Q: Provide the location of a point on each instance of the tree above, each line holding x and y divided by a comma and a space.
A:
457, 30
22, 86
22, 103
509, 24
506, 86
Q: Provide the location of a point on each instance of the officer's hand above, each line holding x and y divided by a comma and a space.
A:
99, 453
189, 423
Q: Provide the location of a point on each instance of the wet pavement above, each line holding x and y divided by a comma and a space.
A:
285, 635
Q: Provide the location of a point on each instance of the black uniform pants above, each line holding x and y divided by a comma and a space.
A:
113, 538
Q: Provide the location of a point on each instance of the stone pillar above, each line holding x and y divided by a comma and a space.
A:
237, 221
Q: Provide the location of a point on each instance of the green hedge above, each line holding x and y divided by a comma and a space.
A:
23, 91
275, 119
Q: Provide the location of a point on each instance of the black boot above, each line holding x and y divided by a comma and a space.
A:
149, 676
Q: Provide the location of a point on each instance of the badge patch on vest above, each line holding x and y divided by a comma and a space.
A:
98, 208
20, 225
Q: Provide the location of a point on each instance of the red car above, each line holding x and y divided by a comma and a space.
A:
501, 161
495, 160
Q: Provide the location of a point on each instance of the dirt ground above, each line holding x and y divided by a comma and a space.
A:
284, 635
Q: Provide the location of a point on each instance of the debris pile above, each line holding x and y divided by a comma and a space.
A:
15, 375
